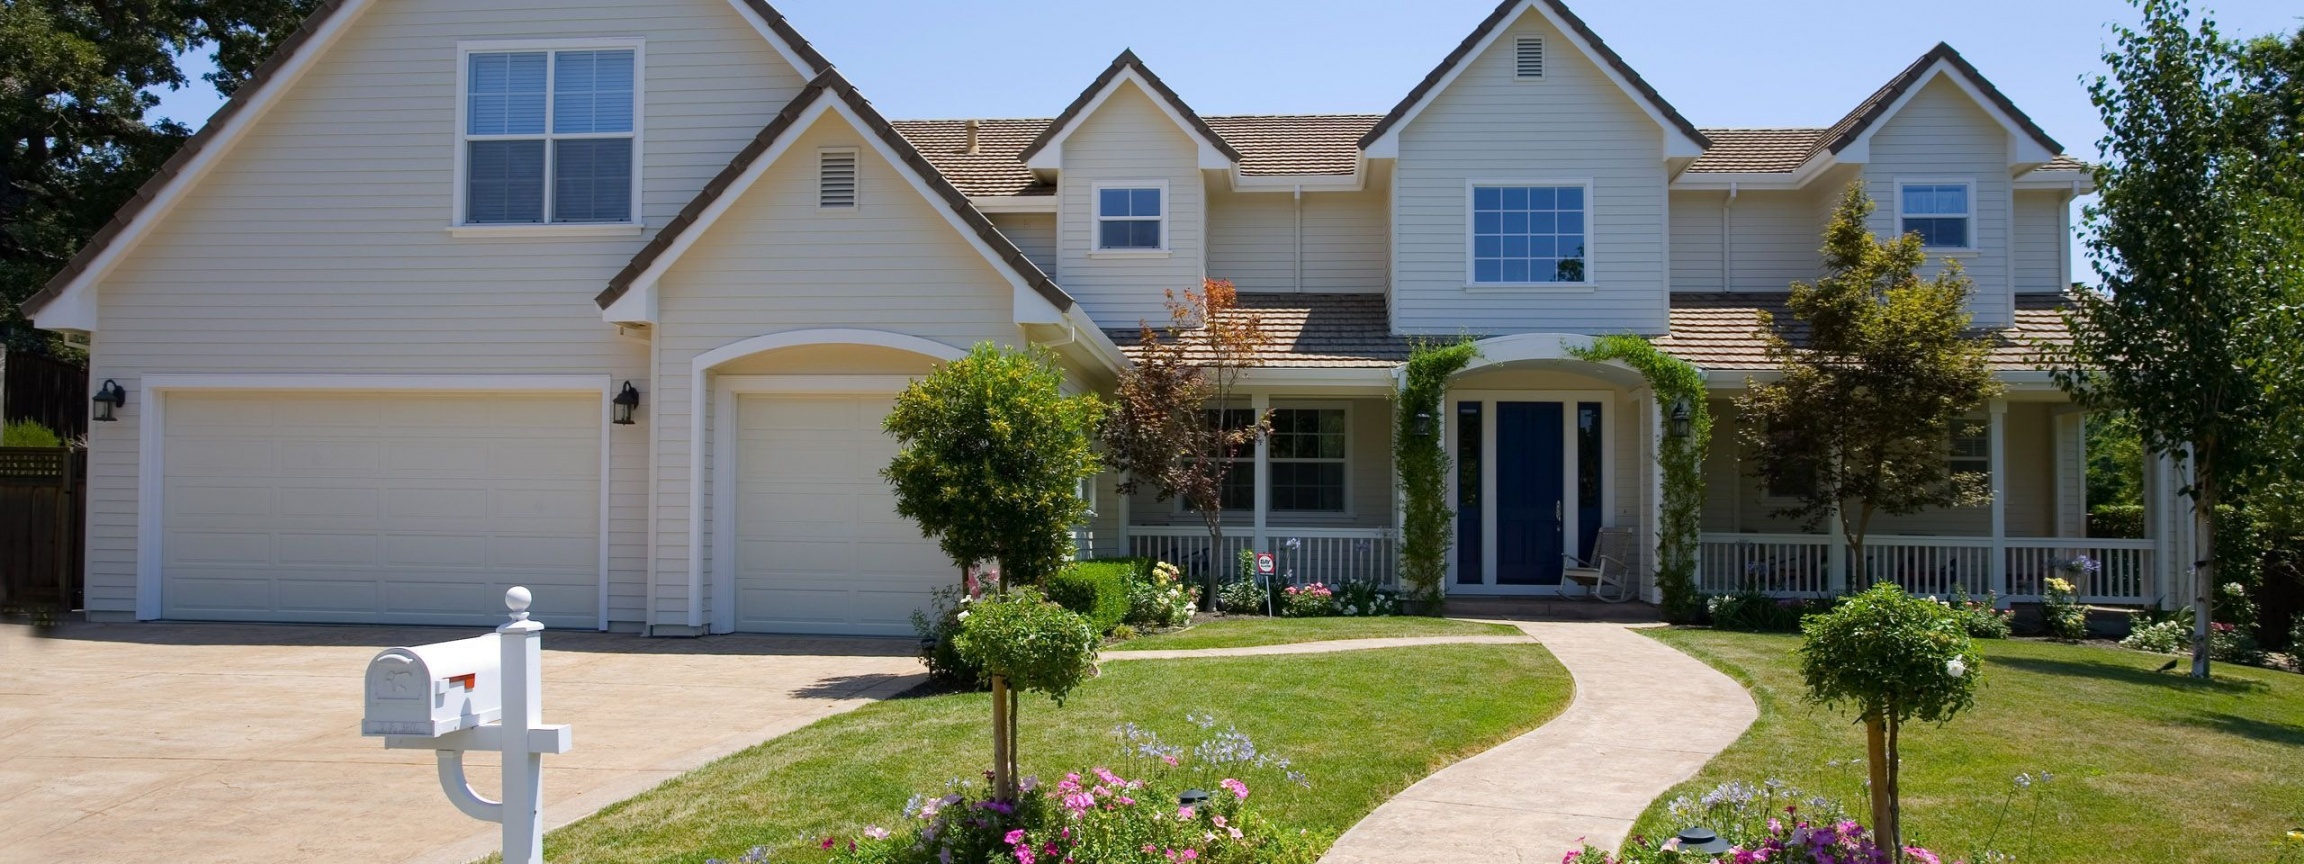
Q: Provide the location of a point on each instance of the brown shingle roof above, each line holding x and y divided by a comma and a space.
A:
1852, 126
1756, 151
1269, 144
1296, 143
1720, 331
1329, 330
830, 83
994, 168
1126, 61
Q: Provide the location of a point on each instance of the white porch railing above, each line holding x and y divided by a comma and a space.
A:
1300, 555
1801, 565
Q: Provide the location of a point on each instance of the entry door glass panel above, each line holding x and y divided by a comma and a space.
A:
1529, 494
1469, 564
1588, 479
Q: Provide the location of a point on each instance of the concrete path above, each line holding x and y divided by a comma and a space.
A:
1325, 647
241, 743
1645, 717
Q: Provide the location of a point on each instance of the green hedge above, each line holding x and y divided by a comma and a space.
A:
1138, 568
1097, 590
2116, 520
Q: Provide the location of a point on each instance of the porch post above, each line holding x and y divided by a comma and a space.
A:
1654, 493
1999, 459
1260, 402
1127, 544
1836, 555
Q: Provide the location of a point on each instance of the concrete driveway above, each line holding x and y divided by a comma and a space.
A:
240, 743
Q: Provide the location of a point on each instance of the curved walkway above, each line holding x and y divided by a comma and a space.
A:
1645, 717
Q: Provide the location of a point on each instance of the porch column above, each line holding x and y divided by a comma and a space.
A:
2070, 464
1654, 493
1836, 555
1127, 545
1261, 403
1999, 459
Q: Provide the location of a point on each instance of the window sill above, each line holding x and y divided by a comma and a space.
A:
1530, 287
569, 230
1130, 253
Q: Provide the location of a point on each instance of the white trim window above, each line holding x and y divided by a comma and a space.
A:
1528, 234
1238, 492
1970, 451
1308, 461
549, 134
1132, 217
1942, 212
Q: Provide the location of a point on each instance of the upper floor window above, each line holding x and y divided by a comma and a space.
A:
549, 136
1528, 234
1131, 218
1942, 213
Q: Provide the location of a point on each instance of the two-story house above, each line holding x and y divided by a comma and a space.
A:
609, 299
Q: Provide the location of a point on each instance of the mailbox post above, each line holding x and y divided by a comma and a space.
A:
442, 697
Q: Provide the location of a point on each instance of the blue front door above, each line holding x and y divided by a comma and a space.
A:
1528, 493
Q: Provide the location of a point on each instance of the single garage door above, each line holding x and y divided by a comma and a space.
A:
380, 507
819, 547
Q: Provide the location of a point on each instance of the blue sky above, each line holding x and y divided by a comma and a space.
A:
1775, 63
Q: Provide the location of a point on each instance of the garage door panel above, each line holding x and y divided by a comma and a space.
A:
397, 508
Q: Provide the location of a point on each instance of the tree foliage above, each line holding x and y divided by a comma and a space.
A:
1420, 460
73, 76
1859, 419
2198, 239
992, 457
1681, 529
1174, 425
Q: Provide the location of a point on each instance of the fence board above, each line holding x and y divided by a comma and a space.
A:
42, 524
51, 391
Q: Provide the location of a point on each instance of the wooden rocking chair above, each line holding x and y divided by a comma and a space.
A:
1607, 576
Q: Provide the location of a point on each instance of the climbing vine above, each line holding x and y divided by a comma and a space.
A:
1421, 461
1674, 381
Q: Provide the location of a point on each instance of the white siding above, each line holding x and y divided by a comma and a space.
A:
1573, 124
319, 244
1772, 239
1129, 139
1035, 234
1252, 240
2040, 242
774, 262
1941, 133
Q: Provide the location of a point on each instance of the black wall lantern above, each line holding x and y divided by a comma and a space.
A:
626, 403
109, 398
1423, 424
1681, 418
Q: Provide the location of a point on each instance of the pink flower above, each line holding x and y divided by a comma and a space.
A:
875, 832
1183, 814
1238, 788
1171, 760
1015, 838
1109, 777
1922, 856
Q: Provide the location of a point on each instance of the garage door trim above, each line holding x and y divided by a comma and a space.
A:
725, 391
152, 425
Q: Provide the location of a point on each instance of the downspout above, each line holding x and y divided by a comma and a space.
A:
1299, 238
1727, 270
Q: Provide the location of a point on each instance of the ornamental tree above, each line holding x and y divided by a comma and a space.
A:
1859, 419
1427, 523
1024, 643
1891, 657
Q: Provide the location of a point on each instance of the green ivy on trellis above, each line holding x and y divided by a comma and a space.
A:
1673, 380
1421, 462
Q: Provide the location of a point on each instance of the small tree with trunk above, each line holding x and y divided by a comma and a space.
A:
990, 466
1174, 426
1894, 658
1859, 420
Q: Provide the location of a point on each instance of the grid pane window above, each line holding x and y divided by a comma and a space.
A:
1129, 218
1238, 491
1971, 451
1938, 212
1307, 458
549, 137
1528, 234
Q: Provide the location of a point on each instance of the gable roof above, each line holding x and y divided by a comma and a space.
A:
257, 93
1127, 62
1269, 145
1839, 135
830, 83
1487, 28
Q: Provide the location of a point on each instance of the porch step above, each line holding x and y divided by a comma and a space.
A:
1551, 609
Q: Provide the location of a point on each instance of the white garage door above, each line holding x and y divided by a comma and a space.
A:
381, 507
819, 547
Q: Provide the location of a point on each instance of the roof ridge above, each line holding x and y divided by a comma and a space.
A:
1127, 61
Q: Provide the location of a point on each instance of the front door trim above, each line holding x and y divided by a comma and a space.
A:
1569, 528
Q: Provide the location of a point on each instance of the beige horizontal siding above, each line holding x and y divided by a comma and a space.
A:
1129, 139
1941, 133
1253, 240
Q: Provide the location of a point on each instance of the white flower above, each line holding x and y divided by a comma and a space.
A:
963, 616
1956, 668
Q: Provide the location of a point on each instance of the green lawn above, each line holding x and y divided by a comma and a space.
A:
1362, 725
1246, 631
2149, 766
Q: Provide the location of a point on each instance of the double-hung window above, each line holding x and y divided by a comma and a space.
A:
1942, 213
1529, 234
549, 136
1971, 450
1131, 218
1308, 460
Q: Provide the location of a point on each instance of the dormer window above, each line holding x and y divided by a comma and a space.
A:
1528, 234
1131, 218
1941, 212
550, 135
1528, 58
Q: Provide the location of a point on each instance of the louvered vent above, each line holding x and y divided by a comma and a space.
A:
1531, 58
836, 179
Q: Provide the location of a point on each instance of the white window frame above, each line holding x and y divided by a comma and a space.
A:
1969, 182
632, 225
1982, 426
1591, 273
857, 157
1344, 408
1096, 219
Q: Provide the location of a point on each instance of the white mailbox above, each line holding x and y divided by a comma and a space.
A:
431, 690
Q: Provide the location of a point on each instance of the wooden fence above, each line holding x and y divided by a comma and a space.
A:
42, 519
51, 391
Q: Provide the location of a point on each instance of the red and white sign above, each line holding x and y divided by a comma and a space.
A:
1264, 566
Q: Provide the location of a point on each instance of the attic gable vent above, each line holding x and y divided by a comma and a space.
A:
1529, 62
836, 180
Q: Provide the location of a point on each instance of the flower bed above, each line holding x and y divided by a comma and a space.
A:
1775, 823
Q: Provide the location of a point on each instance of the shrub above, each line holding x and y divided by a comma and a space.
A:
29, 433
2116, 520
937, 627
2171, 633
2167, 636
1241, 597
1983, 619
1158, 597
1358, 598
2296, 643
2061, 611
1307, 601
1037, 645
1096, 590
1756, 612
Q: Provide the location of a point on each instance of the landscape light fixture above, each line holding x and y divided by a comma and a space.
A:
1192, 798
1698, 839
109, 398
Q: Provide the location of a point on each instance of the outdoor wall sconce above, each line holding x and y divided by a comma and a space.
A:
109, 398
1681, 418
1423, 424
626, 403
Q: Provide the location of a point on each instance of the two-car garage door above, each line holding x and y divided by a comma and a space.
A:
380, 507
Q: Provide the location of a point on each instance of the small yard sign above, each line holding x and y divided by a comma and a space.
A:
1264, 566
